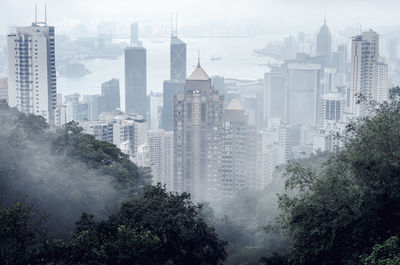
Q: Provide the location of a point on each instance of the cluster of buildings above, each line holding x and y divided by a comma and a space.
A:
208, 136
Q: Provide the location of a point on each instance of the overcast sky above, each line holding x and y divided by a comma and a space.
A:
285, 15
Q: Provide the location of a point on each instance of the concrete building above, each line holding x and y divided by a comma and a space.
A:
155, 110
170, 89
134, 34
177, 59
135, 80
32, 70
275, 96
117, 127
304, 93
381, 81
197, 137
110, 92
161, 149
324, 45
235, 150
177, 79
4, 88
364, 55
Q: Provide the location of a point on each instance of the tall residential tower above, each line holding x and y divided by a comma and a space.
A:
135, 80
32, 70
197, 137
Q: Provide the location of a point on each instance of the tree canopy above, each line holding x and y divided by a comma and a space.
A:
337, 214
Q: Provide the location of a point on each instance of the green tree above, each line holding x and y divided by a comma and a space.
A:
334, 215
160, 228
23, 232
387, 253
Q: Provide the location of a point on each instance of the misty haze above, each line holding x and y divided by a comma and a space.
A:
200, 132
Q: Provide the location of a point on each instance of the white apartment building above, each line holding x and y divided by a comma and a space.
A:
32, 70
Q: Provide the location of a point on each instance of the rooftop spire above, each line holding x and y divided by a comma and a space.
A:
174, 29
45, 14
198, 58
35, 12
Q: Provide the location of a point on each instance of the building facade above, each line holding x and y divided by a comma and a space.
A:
161, 148
135, 80
32, 70
197, 137
4, 88
364, 55
110, 92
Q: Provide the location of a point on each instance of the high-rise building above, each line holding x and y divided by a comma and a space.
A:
110, 92
324, 45
4, 89
275, 96
364, 55
332, 109
304, 93
170, 89
381, 81
32, 70
134, 34
135, 80
197, 137
155, 104
177, 59
177, 78
161, 156
120, 129
329, 80
235, 153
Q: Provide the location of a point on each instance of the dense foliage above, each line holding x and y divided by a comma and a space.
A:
337, 215
66, 171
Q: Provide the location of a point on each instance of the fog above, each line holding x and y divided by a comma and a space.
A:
243, 16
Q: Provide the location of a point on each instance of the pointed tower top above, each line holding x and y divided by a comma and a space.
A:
199, 74
35, 12
235, 105
45, 14
198, 58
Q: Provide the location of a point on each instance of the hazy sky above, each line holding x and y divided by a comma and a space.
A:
287, 15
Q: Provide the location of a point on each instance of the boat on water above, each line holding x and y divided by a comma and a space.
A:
215, 58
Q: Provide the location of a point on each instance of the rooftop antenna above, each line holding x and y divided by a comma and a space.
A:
176, 24
198, 58
325, 17
45, 14
171, 26
35, 12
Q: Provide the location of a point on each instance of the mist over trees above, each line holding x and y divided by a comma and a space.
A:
348, 213
66, 171
338, 208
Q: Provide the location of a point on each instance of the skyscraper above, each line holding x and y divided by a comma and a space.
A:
4, 89
235, 150
161, 156
135, 80
275, 96
155, 106
324, 45
110, 92
197, 137
177, 59
304, 93
170, 89
134, 34
364, 55
32, 70
177, 78
381, 80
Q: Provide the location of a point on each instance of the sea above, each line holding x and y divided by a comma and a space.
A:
238, 61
